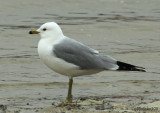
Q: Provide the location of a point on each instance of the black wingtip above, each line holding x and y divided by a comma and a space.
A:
128, 67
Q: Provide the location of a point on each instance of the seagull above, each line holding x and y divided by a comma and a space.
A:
71, 58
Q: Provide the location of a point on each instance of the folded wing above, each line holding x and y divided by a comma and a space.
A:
83, 56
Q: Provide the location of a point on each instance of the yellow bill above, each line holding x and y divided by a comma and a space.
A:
33, 32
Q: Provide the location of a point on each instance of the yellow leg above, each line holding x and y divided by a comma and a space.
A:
69, 96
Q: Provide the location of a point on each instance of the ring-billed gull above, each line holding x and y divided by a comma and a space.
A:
72, 58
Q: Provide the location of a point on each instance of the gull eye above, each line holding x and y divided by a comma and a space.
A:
44, 29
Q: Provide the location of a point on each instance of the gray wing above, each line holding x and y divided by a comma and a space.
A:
83, 56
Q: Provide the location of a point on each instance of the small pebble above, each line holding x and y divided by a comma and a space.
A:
100, 107
37, 110
45, 98
3, 107
17, 111
53, 103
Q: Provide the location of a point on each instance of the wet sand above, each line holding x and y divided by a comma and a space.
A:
126, 30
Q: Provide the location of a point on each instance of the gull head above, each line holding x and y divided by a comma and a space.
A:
48, 30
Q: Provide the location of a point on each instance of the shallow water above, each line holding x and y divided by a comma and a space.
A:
128, 30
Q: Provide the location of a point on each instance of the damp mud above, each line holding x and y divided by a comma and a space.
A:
128, 30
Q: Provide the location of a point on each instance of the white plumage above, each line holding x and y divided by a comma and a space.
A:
72, 58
